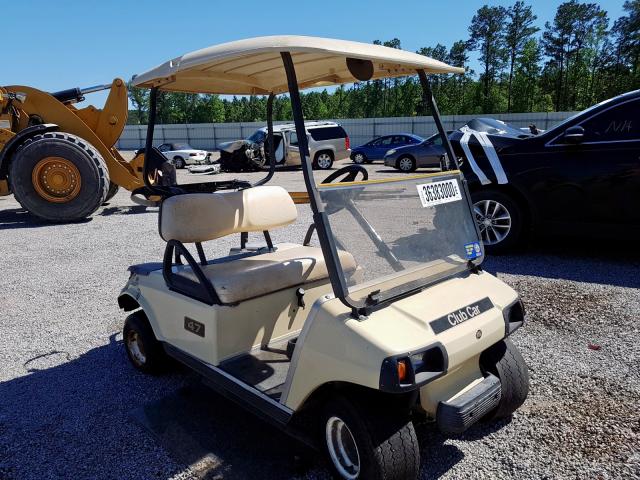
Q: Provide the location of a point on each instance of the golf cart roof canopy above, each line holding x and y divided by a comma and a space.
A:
254, 66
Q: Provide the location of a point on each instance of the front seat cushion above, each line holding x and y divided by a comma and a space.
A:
248, 277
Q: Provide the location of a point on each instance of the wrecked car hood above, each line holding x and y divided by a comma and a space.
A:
231, 147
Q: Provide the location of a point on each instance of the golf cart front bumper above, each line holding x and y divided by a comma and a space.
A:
457, 415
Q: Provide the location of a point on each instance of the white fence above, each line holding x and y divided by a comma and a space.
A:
360, 130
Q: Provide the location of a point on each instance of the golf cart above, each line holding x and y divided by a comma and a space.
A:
382, 314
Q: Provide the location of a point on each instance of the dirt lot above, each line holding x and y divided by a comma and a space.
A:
71, 406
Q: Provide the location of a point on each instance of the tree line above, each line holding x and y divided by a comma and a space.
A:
575, 61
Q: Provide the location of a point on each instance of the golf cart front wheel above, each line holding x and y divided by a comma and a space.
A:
143, 349
358, 445
505, 361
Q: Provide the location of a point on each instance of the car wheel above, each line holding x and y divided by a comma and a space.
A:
499, 218
179, 162
143, 349
406, 164
361, 445
360, 158
504, 360
323, 160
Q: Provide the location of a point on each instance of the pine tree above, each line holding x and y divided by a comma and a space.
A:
486, 34
519, 31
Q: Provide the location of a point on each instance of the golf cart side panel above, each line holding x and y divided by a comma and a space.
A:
228, 330
401, 328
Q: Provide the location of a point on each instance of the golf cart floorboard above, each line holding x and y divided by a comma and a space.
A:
265, 369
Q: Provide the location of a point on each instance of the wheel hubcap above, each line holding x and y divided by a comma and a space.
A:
134, 345
342, 448
406, 164
494, 221
324, 160
359, 158
56, 179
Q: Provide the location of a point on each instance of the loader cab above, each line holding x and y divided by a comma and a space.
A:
378, 310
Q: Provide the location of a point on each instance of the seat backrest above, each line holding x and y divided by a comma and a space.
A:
198, 217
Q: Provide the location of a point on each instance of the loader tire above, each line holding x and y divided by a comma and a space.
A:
113, 189
59, 177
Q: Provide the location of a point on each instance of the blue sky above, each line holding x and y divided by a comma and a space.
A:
61, 44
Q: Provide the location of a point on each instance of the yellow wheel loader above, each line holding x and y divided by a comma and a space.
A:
59, 160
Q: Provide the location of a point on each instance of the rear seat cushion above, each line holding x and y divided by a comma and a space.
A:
198, 217
290, 265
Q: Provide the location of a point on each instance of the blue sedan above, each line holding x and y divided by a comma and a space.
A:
378, 147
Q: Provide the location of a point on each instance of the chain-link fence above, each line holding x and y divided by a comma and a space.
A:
360, 130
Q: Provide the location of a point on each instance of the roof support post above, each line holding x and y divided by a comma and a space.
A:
320, 219
270, 142
151, 124
427, 95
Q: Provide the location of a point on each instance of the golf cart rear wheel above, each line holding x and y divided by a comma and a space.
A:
323, 160
143, 349
372, 446
504, 360
500, 220
406, 164
59, 177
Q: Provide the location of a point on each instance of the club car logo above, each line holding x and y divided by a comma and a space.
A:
460, 316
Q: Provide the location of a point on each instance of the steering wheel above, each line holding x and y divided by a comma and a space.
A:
350, 173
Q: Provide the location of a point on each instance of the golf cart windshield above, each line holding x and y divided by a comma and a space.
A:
403, 233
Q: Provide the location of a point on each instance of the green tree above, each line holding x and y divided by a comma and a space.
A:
627, 43
576, 30
486, 34
139, 98
526, 80
519, 30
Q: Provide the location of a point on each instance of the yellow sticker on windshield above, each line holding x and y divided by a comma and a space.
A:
437, 193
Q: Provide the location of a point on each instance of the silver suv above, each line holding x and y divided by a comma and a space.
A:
327, 141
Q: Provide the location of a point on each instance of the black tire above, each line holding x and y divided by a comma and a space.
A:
514, 235
406, 160
504, 360
179, 162
137, 331
92, 168
318, 162
113, 189
360, 158
387, 446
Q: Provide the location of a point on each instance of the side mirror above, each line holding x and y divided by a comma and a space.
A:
574, 134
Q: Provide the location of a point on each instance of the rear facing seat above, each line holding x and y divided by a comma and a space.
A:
195, 218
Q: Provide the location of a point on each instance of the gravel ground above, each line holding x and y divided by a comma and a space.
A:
72, 407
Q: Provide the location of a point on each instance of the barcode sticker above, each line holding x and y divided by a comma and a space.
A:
437, 193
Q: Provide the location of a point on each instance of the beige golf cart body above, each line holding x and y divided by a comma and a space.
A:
258, 300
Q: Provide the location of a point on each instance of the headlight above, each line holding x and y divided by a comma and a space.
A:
390, 152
